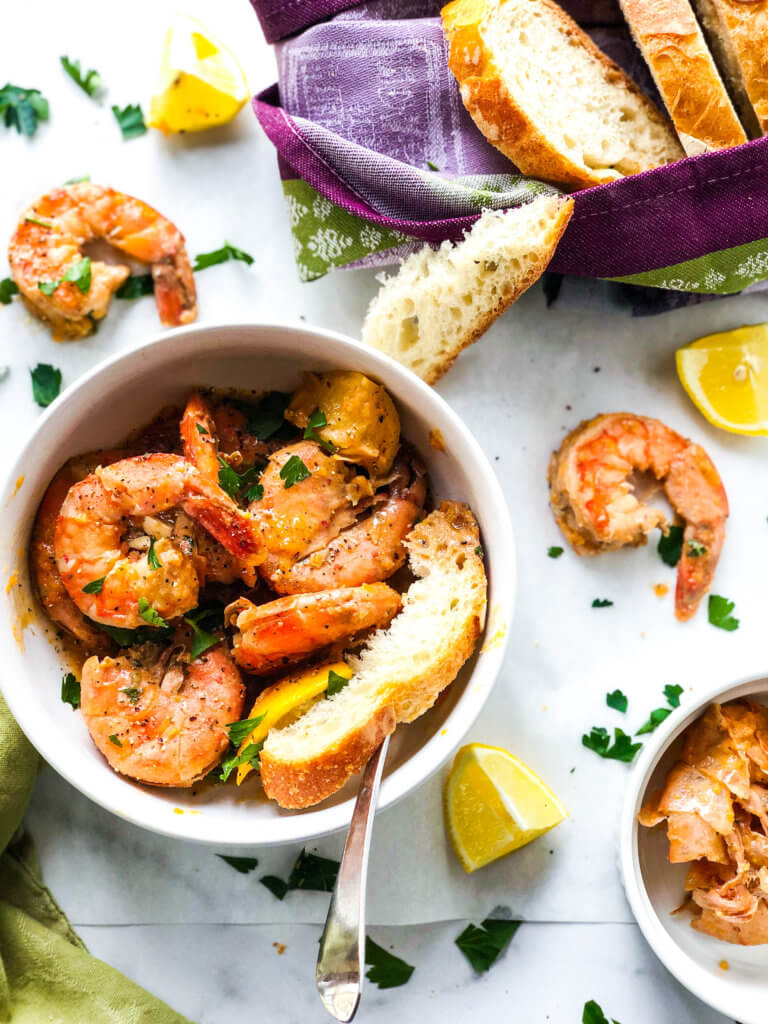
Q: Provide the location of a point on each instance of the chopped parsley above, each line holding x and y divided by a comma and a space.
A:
136, 286
719, 612
40, 223
70, 690
90, 81
432, 165
8, 288
479, 551
22, 108
655, 719
242, 864
309, 872
113, 739
239, 731
336, 683
276, 885
672, 693
482, 945
593, 1014
202, 639
132, 693
46, 383
696, 549
386, 969
268, 417
554, 552
95, 586
670, 546
316, 422
240, 484
200, 428
48, 287
150, 616
602, 602
152, 559
222, 255
131, 120
622, 748
249, 756
617, 700
123, 637
79, 274
294, 471
78, 180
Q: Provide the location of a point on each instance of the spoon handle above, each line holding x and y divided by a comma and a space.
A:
340, 962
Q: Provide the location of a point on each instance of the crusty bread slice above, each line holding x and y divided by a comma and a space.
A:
669, 37
737, 33
441, 300
398, 674
540, 91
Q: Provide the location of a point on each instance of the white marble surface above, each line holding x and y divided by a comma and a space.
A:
172, 915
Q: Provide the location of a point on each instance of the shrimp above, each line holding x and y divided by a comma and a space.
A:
160, 718
104, 571
48, 242
593, 500
280, 632
313, 537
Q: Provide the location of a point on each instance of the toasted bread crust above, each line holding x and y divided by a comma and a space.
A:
686, 76
500, 117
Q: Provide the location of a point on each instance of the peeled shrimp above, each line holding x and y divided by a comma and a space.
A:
49, 240
162, 719
275, 634
106, 573
595, 506
314, 534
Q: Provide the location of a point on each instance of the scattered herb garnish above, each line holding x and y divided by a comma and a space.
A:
152, 560
602, 602
719, 611
554, 552
432, 166
136, 286
655, 719
22, 108
123, 637
294, 471
386, 969
131, 120
593, 1014
242, 864
8, 288
46, 383
479, 551
79, 274
336, 683
249, 756
90, 81
226, 252
132, 693
48, 287
200, 428
95, 586
696, 549
113, 739
268, 417
316, 422
202, 639
671, 546
240, 484
275, 885
40, 223
617, 700
672, 693
70, 690
313, 872
622, 749
77, 181
238, 731
483, 945
150, 616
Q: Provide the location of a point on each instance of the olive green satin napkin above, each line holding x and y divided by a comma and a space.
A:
46, 973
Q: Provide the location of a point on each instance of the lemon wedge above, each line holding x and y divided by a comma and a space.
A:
201, 85
726, 376
495, 804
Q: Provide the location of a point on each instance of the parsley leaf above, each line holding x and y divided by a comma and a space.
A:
593, 1014
131, 120
249, 756
602, 602
202, 640
136, 286
95, 586
152, 560
479, 551
79, 274
70, 690
113, 739
655, 719
313, 872
46, 383
132, 693
294, 471
8, 288
90, 82
48, 287
432, 166
242, 864
696, 548
672, 693
617, 700
148, 613
671, 546
200, 428
238, 731
554, 552
483, 945
386, 969
316, 422
222, 255
123, 637
622, 748
336, 683
275, 885
78, 180
268, 417
22, 108
235, 483
719, 611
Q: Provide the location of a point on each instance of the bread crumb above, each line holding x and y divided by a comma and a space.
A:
723, 965
436, 440
660, 589
280, 947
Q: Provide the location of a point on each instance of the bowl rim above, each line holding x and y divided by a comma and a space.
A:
677, 961
435, 752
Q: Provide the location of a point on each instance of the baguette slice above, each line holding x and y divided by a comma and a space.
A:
669, 37
541, 92
737, 33
399, 673
441, 300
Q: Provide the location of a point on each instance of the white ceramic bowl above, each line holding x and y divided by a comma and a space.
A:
127, 391
654, 887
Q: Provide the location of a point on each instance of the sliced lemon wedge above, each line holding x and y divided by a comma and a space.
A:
284, 701
495, 804
201, 83
726, 377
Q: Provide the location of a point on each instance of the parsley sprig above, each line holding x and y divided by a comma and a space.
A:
622, 748
23, 108
483, 945
240, 485
294, 471
386, 969
309, 872
90, 81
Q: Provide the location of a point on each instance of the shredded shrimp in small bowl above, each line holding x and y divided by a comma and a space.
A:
227, 532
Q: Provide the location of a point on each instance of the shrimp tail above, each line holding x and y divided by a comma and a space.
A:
175, 292
695, 572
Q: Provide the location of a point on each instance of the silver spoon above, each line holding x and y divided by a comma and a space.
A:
341, 960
